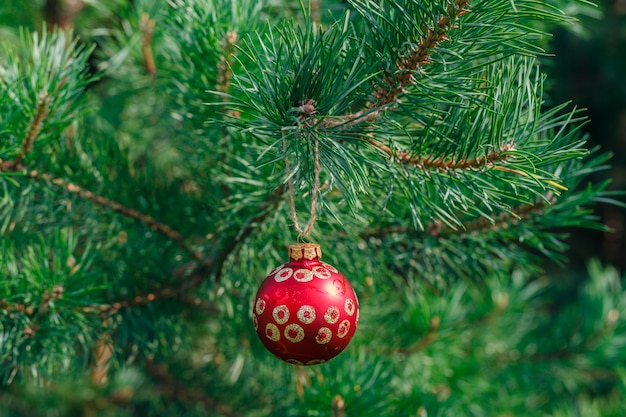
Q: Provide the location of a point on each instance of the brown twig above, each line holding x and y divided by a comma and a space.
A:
338, 407
102, 353
131, 213
62, 13
35, 129
147, 29
224, 72
316, 16
440, 164
148, 220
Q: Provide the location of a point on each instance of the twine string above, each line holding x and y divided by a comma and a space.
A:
306, 232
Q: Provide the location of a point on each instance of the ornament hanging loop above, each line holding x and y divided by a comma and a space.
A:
304, 233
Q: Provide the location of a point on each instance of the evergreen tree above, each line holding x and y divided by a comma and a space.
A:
156, 162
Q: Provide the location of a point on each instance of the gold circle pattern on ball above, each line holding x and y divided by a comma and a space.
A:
255, 322
332, 315
306, 314
260, 306
324, 334
281, 314
321, 272
294, 333
349, 306
303, 275
271, 332
283, 275
344, 328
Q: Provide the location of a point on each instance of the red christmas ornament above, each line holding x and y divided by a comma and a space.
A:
305, 311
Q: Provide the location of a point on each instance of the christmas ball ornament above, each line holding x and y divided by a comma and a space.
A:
305, 311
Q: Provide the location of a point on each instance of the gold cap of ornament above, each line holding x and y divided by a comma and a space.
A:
307, 251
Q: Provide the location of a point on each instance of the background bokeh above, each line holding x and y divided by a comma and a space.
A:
589, 68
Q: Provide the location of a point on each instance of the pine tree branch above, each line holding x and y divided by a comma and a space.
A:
396, 84
55, 294
431, 334
419, 56
169, 386
160, 294
35, 129
33, 313
152, 223
429, 337
233, 242
198, 271
504, 220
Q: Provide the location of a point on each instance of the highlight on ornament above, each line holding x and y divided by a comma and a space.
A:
305, 311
